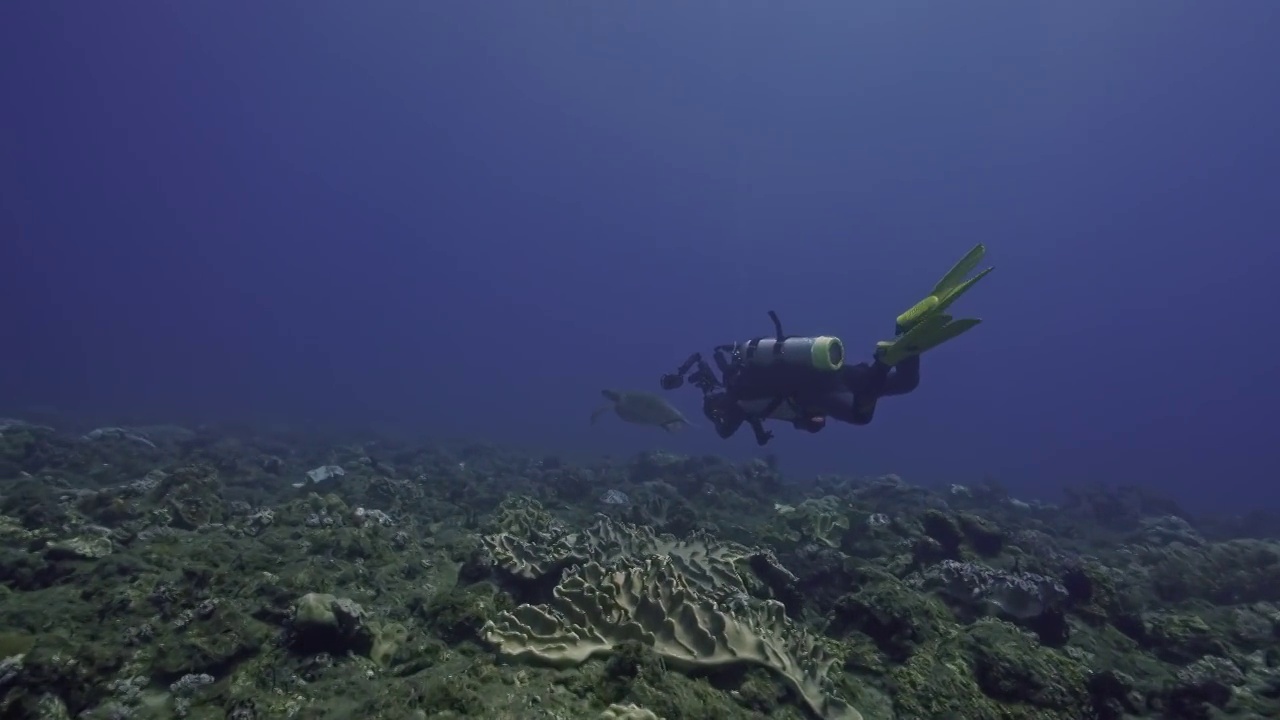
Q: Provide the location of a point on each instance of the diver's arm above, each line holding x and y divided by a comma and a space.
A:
725, 416
762, 436
671, 381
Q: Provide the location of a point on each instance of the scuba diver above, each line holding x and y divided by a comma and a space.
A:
805, 380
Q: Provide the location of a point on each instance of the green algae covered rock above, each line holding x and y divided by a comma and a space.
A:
86, 547
323, 622
823, 520
896, 617
326, 623
994, 670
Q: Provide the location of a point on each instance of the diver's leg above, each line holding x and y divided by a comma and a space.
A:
861, 411
865, 378
870, 382
877, 379
864, 382
904, 378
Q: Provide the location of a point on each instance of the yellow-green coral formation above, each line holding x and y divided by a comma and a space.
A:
714, 566
659, 505
527, 542
530, 544
596, 609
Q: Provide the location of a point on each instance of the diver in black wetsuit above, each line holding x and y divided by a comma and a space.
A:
804, 380
804, 394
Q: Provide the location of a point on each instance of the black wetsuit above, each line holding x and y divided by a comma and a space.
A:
848, 394
802, 394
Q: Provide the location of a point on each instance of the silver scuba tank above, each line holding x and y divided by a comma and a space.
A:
822, 352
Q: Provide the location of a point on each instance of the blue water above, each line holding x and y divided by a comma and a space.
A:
468, 218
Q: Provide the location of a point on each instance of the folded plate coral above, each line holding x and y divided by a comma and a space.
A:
596, 608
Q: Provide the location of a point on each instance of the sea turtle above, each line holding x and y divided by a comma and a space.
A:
642, 408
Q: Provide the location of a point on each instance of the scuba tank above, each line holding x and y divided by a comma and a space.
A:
821, 352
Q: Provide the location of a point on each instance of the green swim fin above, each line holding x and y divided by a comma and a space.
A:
925, 325
947, 290
925, 335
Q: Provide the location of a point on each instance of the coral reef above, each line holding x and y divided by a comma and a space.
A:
159, 572
596, 609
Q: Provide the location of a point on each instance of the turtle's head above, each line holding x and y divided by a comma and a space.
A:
613, 395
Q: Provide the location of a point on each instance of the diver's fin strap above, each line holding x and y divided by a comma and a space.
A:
946, 290
927, 334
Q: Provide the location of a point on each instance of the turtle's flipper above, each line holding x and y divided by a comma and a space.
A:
677, 424
595, 414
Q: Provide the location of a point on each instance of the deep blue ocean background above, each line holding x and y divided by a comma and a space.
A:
467, 218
